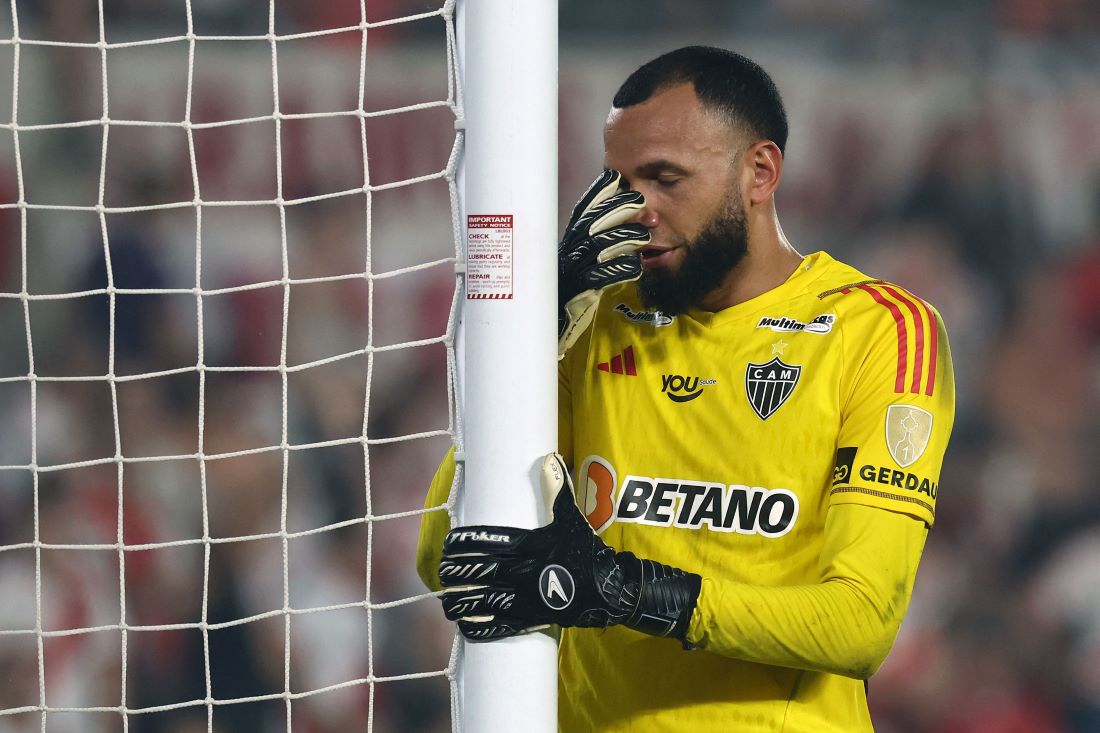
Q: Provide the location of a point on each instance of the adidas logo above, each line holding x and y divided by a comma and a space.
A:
621, 364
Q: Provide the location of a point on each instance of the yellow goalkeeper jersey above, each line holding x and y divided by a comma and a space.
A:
788, 450
718, 442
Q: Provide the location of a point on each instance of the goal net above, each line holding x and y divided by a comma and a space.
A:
228, 285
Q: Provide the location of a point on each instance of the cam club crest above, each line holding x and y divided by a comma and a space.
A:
769, 385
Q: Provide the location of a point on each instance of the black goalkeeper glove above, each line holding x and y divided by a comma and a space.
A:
598, 249
502, 581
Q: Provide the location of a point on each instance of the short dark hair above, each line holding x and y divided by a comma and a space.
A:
724, 81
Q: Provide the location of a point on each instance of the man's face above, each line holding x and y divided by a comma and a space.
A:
703, 264
684, 160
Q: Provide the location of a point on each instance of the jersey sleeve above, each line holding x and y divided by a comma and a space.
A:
844, 624
571, 386
899, 405
565, 408
435, 523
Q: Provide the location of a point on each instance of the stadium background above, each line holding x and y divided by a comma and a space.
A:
953, 148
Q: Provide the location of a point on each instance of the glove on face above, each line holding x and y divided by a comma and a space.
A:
598, 249
502, 581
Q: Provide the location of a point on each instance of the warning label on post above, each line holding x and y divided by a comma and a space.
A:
488, 256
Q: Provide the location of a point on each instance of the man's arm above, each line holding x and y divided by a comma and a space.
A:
495, 582
435, 524
845, 624
874, 532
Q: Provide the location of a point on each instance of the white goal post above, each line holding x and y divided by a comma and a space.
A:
508, 402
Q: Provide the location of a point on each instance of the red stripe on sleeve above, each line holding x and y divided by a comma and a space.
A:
933, 356
918, 326
899, 320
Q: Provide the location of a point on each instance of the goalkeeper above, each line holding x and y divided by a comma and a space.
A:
755, 436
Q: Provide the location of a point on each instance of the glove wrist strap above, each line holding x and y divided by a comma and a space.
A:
666, 598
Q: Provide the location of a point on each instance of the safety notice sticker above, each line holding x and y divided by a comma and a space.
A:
488, 256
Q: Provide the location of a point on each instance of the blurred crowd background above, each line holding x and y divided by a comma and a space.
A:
951, 147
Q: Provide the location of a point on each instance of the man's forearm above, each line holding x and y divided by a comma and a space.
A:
845, 624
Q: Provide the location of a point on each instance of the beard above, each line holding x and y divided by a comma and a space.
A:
707, 259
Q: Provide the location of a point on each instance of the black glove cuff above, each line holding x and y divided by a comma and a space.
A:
666, 600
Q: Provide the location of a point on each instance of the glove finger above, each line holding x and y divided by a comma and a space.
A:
605, 185
488, 628
619, 270
623, 198
557, 491
575, 255
477, 601
622, 240
604, 246
483, 539
466, 570
614, 211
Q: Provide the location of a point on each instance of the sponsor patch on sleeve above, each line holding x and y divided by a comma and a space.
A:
911, 483
842, 472
882, 482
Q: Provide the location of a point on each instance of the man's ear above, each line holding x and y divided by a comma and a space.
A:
764, 164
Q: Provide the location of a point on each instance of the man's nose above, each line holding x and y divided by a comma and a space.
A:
647, 217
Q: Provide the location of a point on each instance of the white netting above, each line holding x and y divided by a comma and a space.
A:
227, 306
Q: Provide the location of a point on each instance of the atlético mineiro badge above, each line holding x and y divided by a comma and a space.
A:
770, 384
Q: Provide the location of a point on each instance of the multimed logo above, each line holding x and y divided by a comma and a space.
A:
653, 318
821, 324
680, 388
